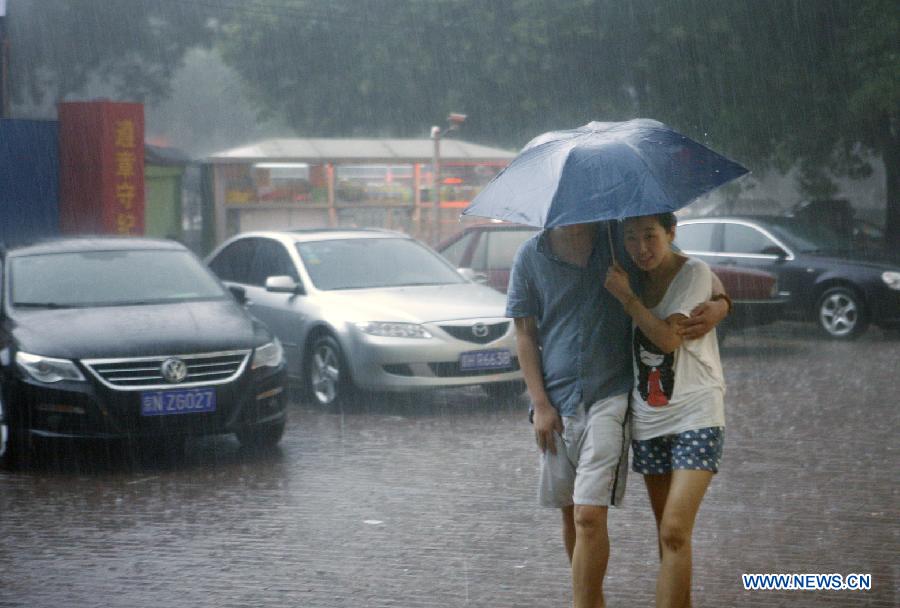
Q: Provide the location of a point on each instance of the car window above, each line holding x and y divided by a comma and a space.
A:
744, 239
374, 262
233, 263
106, 278
270, 259
809, 237
456, 250
695, 237
479, 256
502, 247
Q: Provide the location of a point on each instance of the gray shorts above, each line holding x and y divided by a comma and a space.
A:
590, 466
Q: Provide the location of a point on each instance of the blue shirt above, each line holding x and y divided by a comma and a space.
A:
583, 331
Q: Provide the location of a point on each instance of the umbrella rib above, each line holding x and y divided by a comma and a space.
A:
640, 157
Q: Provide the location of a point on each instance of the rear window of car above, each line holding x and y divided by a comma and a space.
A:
745, 239
457, 249
695, 237
502, 247
374, 262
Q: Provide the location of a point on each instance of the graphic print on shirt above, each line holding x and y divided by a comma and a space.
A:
656, 373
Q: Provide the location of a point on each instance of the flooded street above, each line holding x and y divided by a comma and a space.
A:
429, 500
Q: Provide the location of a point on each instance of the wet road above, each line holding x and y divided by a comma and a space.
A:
429, 501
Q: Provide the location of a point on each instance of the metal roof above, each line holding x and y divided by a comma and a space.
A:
358, 151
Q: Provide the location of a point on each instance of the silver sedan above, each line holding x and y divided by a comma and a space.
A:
371, 309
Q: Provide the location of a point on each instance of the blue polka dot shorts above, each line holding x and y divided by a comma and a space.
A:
699, 450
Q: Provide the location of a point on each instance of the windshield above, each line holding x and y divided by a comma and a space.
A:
109, 278
809, 238
364, 263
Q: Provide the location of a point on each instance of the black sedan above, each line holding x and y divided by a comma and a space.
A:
129, 338
819, 273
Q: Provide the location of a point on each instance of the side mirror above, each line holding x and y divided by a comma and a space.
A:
284, 284
239, 293
471, 275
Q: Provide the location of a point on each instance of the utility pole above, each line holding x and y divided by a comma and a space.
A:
436, 176
455, 120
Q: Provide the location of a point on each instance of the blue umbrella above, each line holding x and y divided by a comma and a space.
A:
602, 171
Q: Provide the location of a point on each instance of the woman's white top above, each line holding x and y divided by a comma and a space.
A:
684, 390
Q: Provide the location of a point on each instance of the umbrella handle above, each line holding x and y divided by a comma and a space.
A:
612, 247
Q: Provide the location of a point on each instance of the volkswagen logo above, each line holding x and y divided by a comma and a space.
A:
174, 370
480, 330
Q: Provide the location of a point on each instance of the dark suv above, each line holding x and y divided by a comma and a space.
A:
129, 338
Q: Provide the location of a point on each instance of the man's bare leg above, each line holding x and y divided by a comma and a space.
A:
590, 556
568, 529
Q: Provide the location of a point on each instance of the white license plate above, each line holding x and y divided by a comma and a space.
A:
476, 360
185, 401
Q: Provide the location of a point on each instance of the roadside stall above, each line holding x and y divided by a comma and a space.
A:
314, 183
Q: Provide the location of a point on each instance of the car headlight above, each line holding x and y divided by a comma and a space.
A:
892, 279
268, 355
47, 369
393, 330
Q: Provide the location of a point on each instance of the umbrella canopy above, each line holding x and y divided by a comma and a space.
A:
602, 171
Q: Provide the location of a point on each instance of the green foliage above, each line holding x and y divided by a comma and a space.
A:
773, 83
57, 47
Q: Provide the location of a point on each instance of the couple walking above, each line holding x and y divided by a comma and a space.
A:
618, 350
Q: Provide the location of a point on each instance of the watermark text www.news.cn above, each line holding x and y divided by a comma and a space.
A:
807, 582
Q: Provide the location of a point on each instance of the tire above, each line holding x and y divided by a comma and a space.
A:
326, 374
841, 314
16, 449
262, 436
504, 391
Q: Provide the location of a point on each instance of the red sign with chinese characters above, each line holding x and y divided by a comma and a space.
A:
101, 157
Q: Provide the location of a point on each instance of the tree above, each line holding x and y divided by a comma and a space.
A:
132, 47
774, 83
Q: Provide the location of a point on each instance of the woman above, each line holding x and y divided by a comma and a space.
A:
678, 416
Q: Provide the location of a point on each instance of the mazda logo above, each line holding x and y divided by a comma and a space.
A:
174, 370
480, 330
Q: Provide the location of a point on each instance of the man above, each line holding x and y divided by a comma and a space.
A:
574, 348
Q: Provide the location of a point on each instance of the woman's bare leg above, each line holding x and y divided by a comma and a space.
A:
686, 491
658, 491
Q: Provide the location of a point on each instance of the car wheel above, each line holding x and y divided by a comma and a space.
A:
841, 314
326, 373
504, 390
262, 435
15, 447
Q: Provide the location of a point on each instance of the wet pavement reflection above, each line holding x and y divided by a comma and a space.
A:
429, 500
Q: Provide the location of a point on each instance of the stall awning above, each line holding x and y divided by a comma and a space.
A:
359, 151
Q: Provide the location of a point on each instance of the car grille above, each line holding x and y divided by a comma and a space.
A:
146, 372
466, 332
451, 369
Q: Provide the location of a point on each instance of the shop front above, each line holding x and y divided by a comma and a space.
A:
327, 183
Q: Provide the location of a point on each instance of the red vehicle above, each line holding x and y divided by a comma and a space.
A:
485, 253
